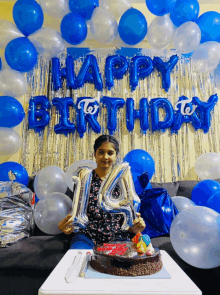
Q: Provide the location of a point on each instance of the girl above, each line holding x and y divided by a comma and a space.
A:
102, 227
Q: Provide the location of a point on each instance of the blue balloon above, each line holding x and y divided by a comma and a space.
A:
132, 26
160, 7
38, 118
0, 64
73, 28
115, 67
184, 11
84, 8
209, 23
214, 202
140, 162
112, 104
203, 190
165, 69
65, 126
17, 169
11, 112
21, 55
28, 16
140, 68
164, 103
90, 63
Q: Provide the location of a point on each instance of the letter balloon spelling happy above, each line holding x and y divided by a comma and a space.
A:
115, 67
165, 68
140, 68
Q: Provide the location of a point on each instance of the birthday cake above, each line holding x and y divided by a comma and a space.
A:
127, 258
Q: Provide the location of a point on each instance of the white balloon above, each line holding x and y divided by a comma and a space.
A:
182, 203
55, 8
207, 166
103, 26
10, 141
116, 7
160, 32
207, 56
12, 83
73, 168
48, 42
50, 211
8, 32
49, 180
187, 37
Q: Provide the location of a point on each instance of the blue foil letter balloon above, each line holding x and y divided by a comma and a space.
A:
67, 72
63, 104
165, 69
90, 64
157, 103
38, 118
141, 114
140, 68
185, 114
87, 111
204, 109
112, 104
115, 67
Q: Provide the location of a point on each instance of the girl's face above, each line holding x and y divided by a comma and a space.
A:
105, 155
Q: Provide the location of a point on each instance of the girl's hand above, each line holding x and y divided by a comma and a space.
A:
139, 224
66, 225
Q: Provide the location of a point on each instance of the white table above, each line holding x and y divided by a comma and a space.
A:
178, 284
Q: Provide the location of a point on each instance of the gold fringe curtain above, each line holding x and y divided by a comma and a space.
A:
174, 154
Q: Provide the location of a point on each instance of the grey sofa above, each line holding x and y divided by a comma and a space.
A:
25, 265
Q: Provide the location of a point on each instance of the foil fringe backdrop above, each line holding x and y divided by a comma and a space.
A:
174, 154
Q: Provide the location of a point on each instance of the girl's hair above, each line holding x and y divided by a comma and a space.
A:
106, 138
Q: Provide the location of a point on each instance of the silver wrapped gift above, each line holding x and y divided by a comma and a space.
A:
16, 212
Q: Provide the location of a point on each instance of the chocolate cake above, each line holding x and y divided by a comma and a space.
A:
122, 259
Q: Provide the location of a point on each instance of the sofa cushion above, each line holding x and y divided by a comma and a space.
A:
186, 187
42, 253
171, 187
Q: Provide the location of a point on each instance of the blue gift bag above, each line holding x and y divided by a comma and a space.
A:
158, 211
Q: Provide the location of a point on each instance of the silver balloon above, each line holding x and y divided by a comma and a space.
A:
160, 32
74, 167
8, 32
195, 236
55, 8
187, 37
103, 26
50, 211
49, 180
124, 204
48, 42
207, 166
207, 56
80, 199
10, 141
116, 7
182, 203
12, 83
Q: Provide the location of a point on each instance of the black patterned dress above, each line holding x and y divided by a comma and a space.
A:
103, 227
